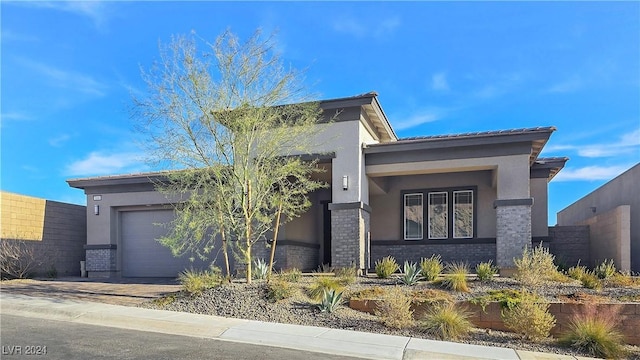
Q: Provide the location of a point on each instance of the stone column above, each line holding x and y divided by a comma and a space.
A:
101, 261
513, 230
349, 229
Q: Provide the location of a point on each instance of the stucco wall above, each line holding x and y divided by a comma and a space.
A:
622, 190
55, 231
539, 210
610, 237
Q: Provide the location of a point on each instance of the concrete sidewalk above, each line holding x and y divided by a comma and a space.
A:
309, 338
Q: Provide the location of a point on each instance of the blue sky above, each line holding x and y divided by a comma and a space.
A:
69, 69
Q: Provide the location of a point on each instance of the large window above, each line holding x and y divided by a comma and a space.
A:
413, 218
449, 214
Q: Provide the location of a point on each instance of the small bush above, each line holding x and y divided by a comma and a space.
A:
577, 272
394, 309
375, 292
508, 298
590, 281
324, 269
195, 282
18, 259
346, 275
486, 271
410, 274
322, 284
330, 301
291, 275
530, 318
279, 289
447, 322
385, 267
605, 270
594, 331
535, 266
431, 296
431, 268
456, 277
623, 279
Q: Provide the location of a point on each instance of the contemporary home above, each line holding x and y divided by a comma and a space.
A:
470, 197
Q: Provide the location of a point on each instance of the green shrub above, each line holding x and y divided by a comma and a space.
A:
590, 281
530, 318
375, 292
394, 309
261, 269
346, 275
535, 266
195, 282
577, 272
431, 296
279, 289
431, 268
486, 271
410, 274
508, 298
322, 284
447, 322
594, 331
605, 270
623, 279
330, 301
456, 277
386, 266
291, 275
324, 269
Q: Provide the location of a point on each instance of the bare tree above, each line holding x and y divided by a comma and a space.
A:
18, 259
232, 122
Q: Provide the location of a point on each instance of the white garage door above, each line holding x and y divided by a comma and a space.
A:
142, 255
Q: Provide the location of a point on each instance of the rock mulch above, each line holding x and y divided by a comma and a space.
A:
240, 300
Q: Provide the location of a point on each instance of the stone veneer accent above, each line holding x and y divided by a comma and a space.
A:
101, 261
349, 229
470, 252
513, 233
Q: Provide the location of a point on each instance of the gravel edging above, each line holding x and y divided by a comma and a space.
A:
249, 301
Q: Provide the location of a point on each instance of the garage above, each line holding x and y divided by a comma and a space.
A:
142, 255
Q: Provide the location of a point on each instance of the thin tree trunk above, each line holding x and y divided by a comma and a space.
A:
248, 233
275, 239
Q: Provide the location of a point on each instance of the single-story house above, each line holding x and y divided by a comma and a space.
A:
471, 197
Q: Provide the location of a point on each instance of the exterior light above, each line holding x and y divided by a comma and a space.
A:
345, 182
96, 209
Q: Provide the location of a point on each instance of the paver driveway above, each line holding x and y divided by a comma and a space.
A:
127, 291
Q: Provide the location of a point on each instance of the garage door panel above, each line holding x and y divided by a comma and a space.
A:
142, 254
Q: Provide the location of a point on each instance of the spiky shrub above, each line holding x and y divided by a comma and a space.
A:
346, 275
623, 279
591, 281
279, 289
605, 270
394, 309
195, 282
485, 271
530, 317
330, 301
410, 274
456, 277
577, 272
322, 284
447, 322
261, 269
430, 268
535, 266
386, 266
291, 275
594, 331
324, 269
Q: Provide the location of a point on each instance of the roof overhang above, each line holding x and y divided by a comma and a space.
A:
548, 167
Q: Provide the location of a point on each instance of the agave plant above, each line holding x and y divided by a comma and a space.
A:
330, 301
411, 274
261, 269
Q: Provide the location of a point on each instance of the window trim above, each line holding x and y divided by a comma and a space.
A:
450, 220
404, 216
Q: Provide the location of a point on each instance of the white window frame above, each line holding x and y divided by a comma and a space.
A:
404, 216
453, 214
446, 211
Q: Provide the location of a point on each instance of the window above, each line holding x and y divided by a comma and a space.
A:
413, 216
449, 214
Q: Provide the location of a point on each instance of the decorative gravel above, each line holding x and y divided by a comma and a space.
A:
240, 300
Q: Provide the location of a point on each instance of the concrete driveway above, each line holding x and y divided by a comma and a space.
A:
127, 291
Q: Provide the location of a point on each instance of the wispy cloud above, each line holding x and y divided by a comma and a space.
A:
439, 82
8, 35
626, 144
14, 115
68, 79
59, 140
498, 86
97, 11
591, 173
570, 85
97, 163
417, 119
361, 29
